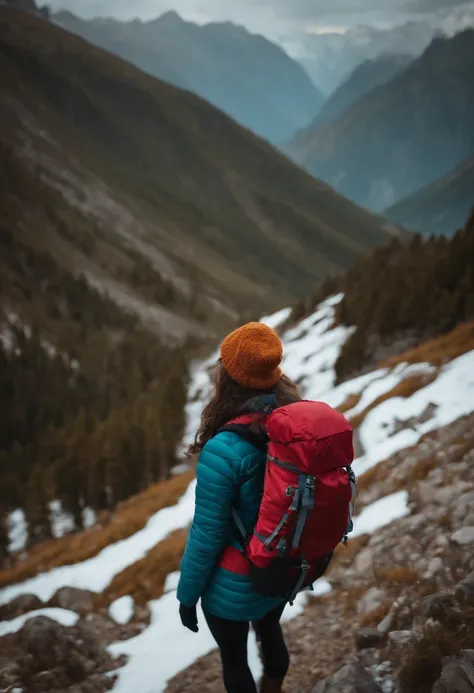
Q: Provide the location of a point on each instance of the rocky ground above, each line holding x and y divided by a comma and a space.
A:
400, 618
47, 657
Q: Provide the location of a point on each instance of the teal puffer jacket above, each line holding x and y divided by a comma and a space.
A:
230, 473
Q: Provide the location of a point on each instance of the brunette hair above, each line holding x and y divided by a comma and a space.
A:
228, 401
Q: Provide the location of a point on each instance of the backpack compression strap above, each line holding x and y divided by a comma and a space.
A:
350, 526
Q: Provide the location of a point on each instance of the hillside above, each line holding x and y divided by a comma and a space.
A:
27, 6
180, 215
91, 402
404, 134
428, 289
395, 602
366, 77
245, 75
440, 207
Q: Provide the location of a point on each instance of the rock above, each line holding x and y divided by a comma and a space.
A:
400, 642
464, 536
19, 606
386, 624
352, 678
470, 519
435, 566
442, 541
369, 638
415, 523
457, 674
437, 607
103, 628
464, 590
400, 617
71, 598
446, 495
46, 641
372, 599
75, 651
9, 674
464, 506
80, 666
363, 561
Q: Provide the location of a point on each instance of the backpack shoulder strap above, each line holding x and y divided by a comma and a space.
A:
243, 427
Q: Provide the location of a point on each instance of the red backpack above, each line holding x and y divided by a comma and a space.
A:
308, 496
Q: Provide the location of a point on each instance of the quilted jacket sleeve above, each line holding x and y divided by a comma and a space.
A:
217, 478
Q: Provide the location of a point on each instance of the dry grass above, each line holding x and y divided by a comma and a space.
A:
129, 518
383, 471
350, 402
406, 388
377, 474
145, 579
422, 468
439, 350
396, 574
446, 520
350, 598
423, 667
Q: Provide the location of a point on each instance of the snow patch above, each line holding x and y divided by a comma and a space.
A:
122, 610
171, 582
277, 319
17, 531
397, 423
62, 523
97, 572
178, 648
381, 513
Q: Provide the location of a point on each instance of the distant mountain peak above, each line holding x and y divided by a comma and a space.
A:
171, 17
370, 74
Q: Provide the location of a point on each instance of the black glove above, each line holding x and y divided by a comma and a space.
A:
189, 617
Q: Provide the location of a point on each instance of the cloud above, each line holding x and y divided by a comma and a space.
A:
434, 5
270, 17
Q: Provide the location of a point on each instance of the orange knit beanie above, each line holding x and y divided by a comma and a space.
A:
251, 355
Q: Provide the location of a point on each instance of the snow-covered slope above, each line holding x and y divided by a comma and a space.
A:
388, 424
311, 349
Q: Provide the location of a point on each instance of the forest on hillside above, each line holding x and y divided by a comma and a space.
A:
403, 293
92, 404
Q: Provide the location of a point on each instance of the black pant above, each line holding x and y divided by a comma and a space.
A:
232, 636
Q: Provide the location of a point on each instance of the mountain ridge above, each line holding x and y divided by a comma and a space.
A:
439, 208
402, 135
243, 74
369, 75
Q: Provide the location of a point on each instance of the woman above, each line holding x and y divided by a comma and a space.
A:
230, 475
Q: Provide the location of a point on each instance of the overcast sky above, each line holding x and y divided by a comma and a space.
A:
271, 17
